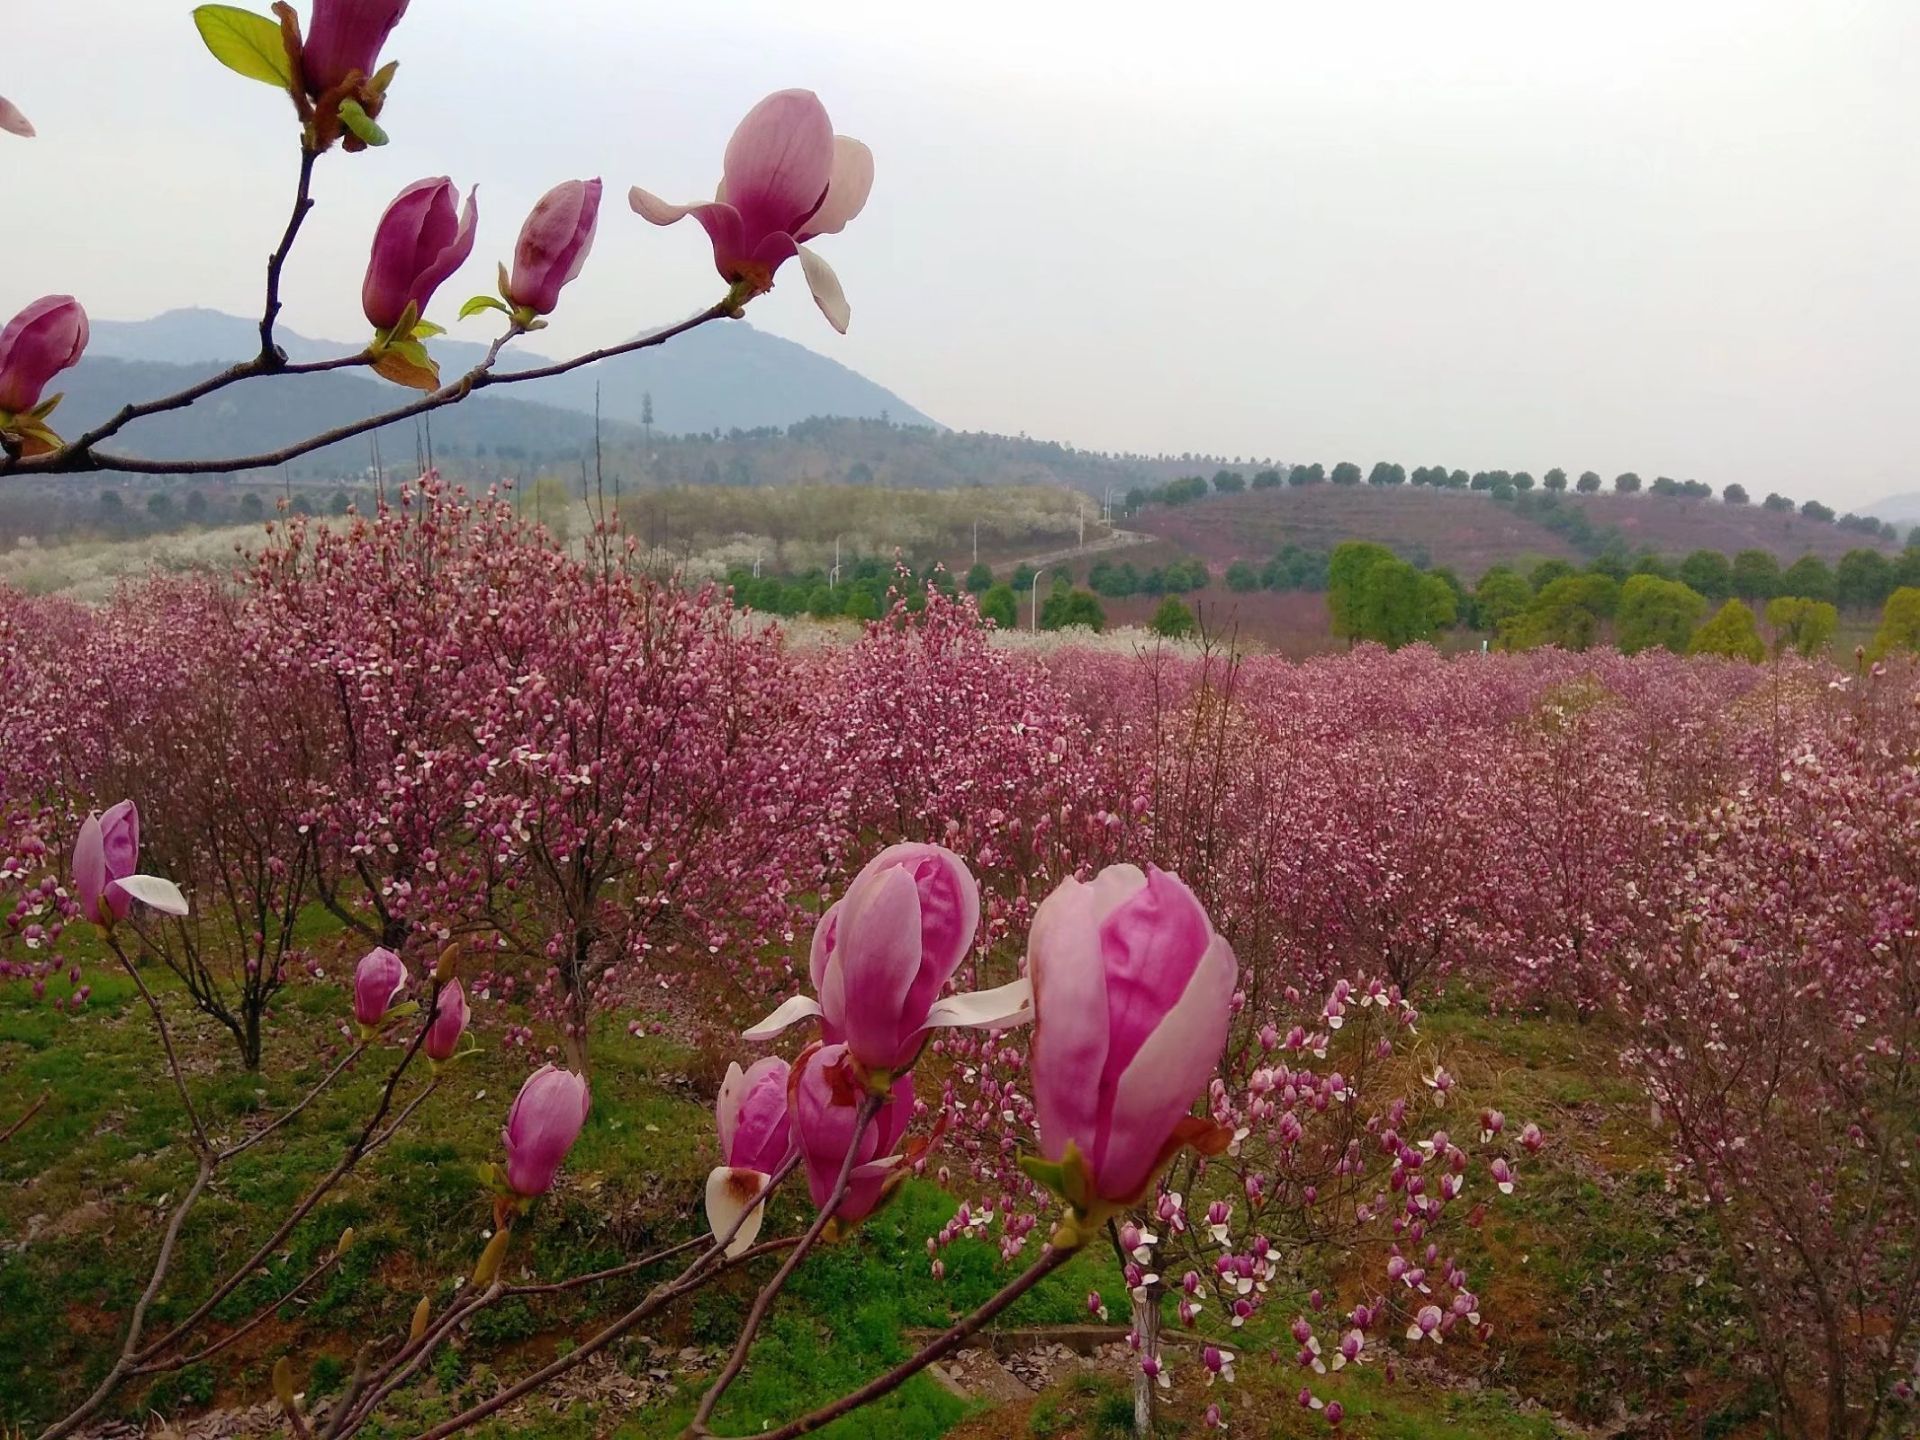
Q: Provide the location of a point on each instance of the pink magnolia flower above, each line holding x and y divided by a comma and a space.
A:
345, 38
12, 121
38, 343
378, 981
883, 953
422, 239
104, 856
1131, 991
554, 244
786, 178
824, 1096
546, 1119
756, 1137
450, 1017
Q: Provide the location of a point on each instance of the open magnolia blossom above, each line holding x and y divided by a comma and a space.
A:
823, 1096
786, 178
104, 881
884, 951
756, 1137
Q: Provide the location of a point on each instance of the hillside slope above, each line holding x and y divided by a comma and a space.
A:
1468, 531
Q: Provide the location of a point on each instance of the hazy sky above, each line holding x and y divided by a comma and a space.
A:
1679, 237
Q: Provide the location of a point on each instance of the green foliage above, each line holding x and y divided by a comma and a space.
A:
1346, 473
1814, 510
1656, 612
1589, 482
1242, 577
1173, 619
1294, 568
1899, 623
1346, 582
1229, 482
1555, 479
979, 579
999, 605
1267, 480
1756, 575
1809, 578
1805, 626
246, 43
1500, 595
1072, 607
1313, 474
1546, 572
1734, 494
1731, 633
1626, 483
1709, 572
1863, 580
1567, 614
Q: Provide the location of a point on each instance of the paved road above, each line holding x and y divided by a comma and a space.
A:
1116, 540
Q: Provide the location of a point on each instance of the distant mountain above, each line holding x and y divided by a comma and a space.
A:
1902, 509
726, 375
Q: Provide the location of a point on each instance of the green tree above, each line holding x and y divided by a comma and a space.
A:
863, 604
1229, 482
1777, 503
251, 506
1709, 572
1268, 479
1395, 603
823, 602
1626, 483
1546, 572
979, 579
999, 605
1242, 577
1730, 632
1809, 578
1802, 625
1899, 623
1906, 566
1567, 614
1555, 480
1814, 510
1652, 564
1439, 603
1612, 564
1522, 480
1756, 575
1022, 576
1863, 580
1173, 619
1659, 612
1346, 584
1346, 473
1312, 474
1588, 483
1734, 494
1072, 607
1501, 594
1458, 480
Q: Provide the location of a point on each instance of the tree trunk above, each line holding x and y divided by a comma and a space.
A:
1146, 1324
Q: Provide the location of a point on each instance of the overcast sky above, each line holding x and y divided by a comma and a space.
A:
1678, 237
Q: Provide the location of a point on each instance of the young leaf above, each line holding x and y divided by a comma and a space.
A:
426, 329
246, 43
360, 124
477, 304
406, 362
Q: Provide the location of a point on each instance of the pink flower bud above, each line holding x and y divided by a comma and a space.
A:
422, 239
12, 121
378, 981
1131, 989
545, 1120
106, 852
345, 38
449, 1018
38, 343
554, 244
1335, 1412
824, 1094
884, 952
751, 1116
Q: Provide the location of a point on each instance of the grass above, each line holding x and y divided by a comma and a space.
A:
1602, 1281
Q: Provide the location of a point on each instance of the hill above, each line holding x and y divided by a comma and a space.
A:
1467, 531
723, 376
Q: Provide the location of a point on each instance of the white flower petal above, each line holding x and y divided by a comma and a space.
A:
994, 1009
791, 1012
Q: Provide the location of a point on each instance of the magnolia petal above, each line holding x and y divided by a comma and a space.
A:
12, 121
651, 207
729, 1192
994, 1009
827, 293
162, 895
847, 193
791, 1012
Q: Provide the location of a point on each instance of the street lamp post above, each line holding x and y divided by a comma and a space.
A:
1035, 623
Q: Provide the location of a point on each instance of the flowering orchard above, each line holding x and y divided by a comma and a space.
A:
1127, 951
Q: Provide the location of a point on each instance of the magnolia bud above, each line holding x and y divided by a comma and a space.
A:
283, 1383
345, 1244
490, 1258
421, 1313
448, 964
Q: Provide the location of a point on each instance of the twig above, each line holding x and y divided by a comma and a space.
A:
77, 458
259, 1318
644, 1262
1052, 1260
691, 1279
201, 1143
302, 203
258, 1136
20, 1124
763, 1302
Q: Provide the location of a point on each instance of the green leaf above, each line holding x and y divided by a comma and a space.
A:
426, 329
477, 304
246, 43
360, 124
383, 77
